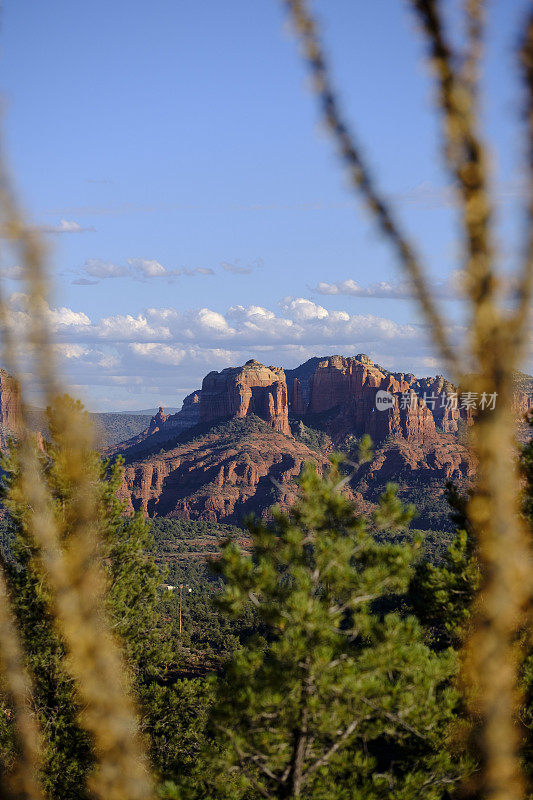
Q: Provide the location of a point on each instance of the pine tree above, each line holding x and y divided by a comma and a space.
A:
341, 701
441, 595
132, 605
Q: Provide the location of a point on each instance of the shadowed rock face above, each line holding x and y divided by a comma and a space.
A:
297, 402
242, 391
221, 475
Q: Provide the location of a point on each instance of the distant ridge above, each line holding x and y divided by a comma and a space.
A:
145, 412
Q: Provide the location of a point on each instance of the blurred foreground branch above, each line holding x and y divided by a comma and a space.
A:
497, 341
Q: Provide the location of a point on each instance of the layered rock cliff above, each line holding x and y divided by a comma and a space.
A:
231, 445
345, 390
242, 391
222, 475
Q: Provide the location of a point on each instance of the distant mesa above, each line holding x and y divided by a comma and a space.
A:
335, 393
231, 450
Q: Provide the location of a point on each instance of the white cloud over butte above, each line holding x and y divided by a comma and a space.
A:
164, 352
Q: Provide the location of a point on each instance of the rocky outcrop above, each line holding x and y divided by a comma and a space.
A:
184, 419
344, 390
439, 461
297, 405
438, 395
522, 403
157, 421
163, 427
189, 414
242, 391
220, 476
339, 381
233, 463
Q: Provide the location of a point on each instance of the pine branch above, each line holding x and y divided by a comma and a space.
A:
332, 750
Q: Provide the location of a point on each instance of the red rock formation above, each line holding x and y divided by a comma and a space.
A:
158, 421
438, 394
225, 474
407, 419
522, 403
221, 476
241, 391
339, 380
348, 386
297, 402
435, 462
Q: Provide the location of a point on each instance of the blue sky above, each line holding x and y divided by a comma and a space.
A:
195, 211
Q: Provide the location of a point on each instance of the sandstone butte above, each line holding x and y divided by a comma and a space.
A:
190, 465
242, 391
230, 449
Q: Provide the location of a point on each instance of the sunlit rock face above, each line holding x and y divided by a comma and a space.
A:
242, 391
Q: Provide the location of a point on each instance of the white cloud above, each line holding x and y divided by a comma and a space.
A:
301, 309
149, 268
162, 354
97, 268
84, 282
14, 273
127, 328
143, 269
167, 348
66, 317
65, 226
199, 271
450, 289
139, 269
213, 320
236, 269
72, 350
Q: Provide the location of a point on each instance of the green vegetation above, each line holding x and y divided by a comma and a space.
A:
340, 700
133, 600
312, 656
112, 428
312, 437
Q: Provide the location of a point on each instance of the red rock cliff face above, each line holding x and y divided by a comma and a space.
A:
436, 391
10, 403
220, 476
348, 387
339, 380
157, 422
522, 403
297, 404
241, 391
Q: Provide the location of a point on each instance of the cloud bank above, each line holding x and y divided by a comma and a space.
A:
160, 354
